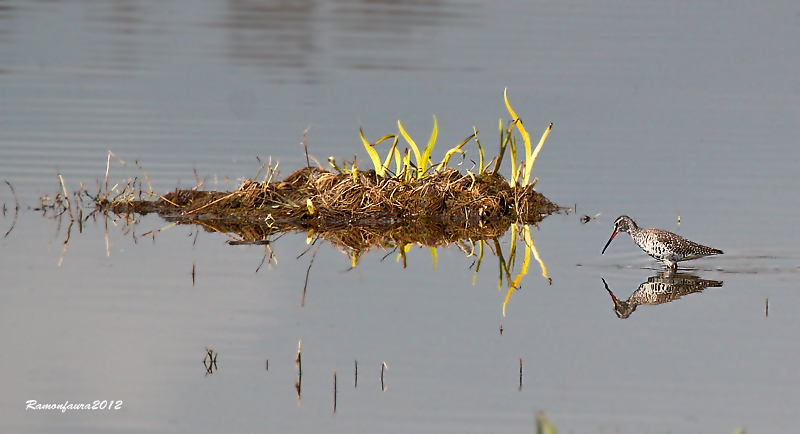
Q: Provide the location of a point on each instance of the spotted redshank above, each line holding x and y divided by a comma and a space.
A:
666, 286
662, 245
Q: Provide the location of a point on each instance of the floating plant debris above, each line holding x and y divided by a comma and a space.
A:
422, 202
393, 205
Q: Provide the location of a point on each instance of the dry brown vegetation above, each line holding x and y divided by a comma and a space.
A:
419, 202
317, 197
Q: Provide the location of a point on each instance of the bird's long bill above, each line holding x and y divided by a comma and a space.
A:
613, 297
609, 242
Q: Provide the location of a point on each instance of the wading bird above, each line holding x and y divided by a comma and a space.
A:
662, 245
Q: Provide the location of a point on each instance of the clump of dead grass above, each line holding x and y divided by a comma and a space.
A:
315, 196
416, 190
401, 201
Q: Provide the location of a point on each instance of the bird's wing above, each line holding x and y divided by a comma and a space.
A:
670, 241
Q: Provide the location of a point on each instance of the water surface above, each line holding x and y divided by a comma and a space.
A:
683, 117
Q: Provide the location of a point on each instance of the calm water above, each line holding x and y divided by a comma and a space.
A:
682, 116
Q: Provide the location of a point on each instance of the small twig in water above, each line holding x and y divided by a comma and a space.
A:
305, 145
16, 209
334, 390
383, 367
66, 196
308, 271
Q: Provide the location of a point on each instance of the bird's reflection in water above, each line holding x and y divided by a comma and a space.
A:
664, 287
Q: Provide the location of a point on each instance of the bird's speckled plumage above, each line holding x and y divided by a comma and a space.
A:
662, 245
666, 286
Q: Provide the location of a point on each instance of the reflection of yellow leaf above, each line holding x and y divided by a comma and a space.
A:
531, 248
402, 255
433, 253
480, 259
524, 270
512, 257
543, 426
512, 252
508, 296
529, 241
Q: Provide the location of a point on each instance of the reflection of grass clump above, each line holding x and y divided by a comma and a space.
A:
399, 202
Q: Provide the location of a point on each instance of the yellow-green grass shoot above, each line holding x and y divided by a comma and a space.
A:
392, 151
332, 162
513, 150
413, 147
407, 167
398, 159
502, 151
525, 136
373, 154
530, 156
507, 141
407, 171
480, 150
345, 167
453, 150
424, 158
380, 169
312, 211
426, 154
